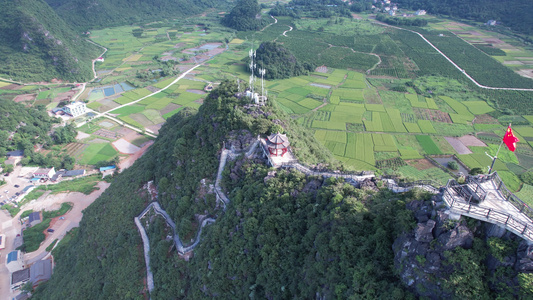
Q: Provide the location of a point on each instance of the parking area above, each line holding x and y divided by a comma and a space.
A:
16, 181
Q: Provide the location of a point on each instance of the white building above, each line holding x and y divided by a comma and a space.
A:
44, 173
75, 109
14, 261
420, 12
2, 241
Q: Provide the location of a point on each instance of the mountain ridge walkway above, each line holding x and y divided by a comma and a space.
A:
497, 205
486, 198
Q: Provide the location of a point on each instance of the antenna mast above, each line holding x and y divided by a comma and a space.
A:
262, 72
251, 54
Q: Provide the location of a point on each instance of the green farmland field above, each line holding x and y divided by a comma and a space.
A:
428, 144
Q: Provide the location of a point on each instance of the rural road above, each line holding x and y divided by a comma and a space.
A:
455, 65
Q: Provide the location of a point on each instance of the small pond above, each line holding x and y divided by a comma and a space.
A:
325, 86
443, 161
126, 87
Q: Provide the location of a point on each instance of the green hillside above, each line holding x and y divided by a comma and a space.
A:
86, 15
36, 44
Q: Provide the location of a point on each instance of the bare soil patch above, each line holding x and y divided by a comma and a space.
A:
82, 135
512, 62
131, 136
153, 89
458, 146
169, 108
470, 140
485, 119
66, 96
97, 141
128, 162
526, 73
27, 97
420, 164
199, 92
155, 128
12, 87
107, 133
125, 147
322, 69
432, 115
124, 131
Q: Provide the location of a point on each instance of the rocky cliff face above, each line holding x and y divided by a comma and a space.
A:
422, 257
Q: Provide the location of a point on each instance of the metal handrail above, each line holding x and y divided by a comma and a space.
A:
518, 227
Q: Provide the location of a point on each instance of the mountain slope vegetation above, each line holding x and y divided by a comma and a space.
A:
36, 44
245, 15
85, 15
279, 62
283, 235
516, 14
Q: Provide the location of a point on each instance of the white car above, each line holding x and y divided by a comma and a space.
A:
6, 191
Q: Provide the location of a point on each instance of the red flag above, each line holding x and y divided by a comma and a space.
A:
510, 140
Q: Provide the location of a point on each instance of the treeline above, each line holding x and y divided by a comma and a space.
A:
35, 44
279, 62
401, 21
515, 14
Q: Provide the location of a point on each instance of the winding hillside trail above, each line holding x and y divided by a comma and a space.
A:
285, 32
222, 197
454, 64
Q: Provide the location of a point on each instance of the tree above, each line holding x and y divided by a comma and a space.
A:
453, 165
527, 177
475, 171
9, 168
65, 135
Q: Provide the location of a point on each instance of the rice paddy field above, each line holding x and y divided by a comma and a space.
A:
377, 93
358, 116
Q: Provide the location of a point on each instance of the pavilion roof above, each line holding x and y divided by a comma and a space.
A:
278, 138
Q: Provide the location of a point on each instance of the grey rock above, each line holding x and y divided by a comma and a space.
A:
424, 231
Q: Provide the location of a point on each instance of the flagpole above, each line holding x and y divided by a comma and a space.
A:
496, 156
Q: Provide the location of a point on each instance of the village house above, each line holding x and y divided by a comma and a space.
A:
44, 173
75, 109
34, 218
14, 261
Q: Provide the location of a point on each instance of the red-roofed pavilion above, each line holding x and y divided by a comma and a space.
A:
277, 144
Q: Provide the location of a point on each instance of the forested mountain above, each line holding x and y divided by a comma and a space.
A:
279, 62
516, 14
35, 44
244, 16
284, 235
85, 15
